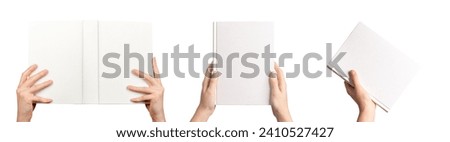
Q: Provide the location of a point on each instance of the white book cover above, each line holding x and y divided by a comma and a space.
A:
383, 70
242, 38
74, 53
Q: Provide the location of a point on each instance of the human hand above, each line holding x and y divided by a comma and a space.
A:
26, 93
278, 96
360, 96
152, 95
208, 97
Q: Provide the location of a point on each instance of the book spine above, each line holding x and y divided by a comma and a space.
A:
90, 62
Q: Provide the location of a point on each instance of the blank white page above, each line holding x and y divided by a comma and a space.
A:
112, 37
383, 70
242, 38
57, 46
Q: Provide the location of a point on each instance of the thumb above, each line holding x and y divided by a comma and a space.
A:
354, 79
213, 81
38, 99
273, 81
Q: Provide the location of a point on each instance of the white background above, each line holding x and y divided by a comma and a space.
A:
419, 29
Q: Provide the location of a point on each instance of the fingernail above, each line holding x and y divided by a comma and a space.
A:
272, 75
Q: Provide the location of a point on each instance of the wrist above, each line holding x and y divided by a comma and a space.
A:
202, 114
366, 116
23, 116
284, 118
158, 117
206, 110
367, 112
282, 115
367, 107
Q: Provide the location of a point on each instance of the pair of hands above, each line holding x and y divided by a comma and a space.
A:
152, 95
278, 97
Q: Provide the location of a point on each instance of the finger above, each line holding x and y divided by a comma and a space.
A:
33, 79
40, 86
213, 80
144, 90
156, 73
209, 70
38, 99
273, 81
348, 87
280, 77
205, 82
147, 78
354, 78
208, 75
27, 73
142, 98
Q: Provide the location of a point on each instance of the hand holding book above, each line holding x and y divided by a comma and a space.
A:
26, 93
361, 97
152, 95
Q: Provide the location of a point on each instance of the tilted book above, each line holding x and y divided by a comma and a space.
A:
383, 70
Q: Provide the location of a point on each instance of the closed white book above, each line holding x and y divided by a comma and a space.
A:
242, 38
80, 56
382, 69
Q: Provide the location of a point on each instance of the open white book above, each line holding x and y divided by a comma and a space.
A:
383, 70
86, 59
242, 38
